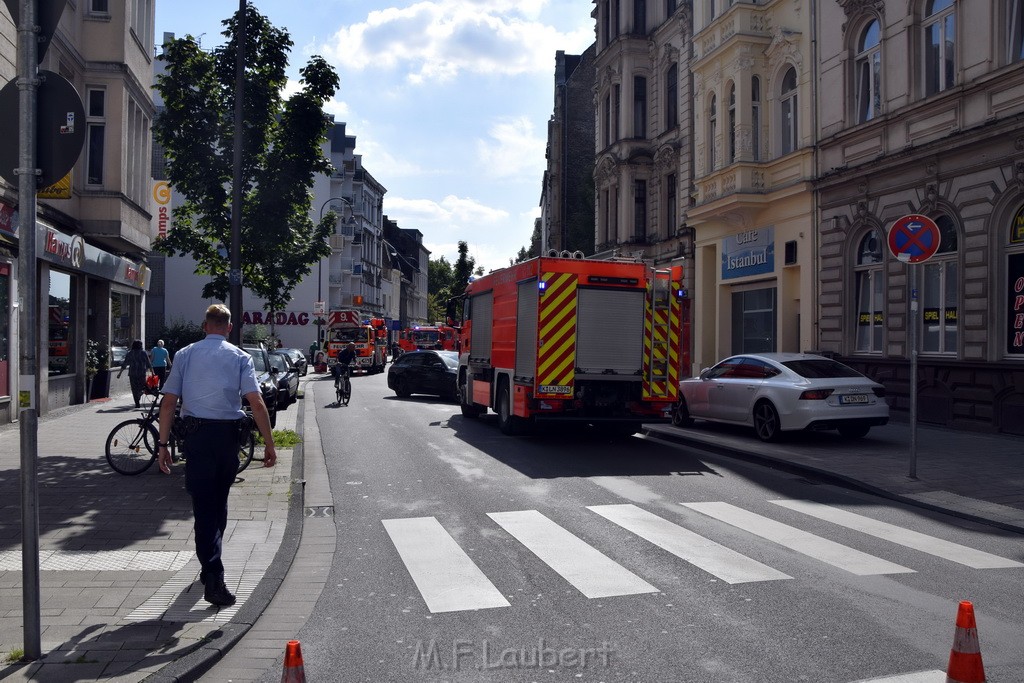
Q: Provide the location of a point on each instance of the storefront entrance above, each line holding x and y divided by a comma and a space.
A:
754, 321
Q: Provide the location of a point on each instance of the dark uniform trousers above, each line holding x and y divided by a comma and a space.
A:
212, 464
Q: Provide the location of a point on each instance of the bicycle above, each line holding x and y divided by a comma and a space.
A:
132, 445
343, 386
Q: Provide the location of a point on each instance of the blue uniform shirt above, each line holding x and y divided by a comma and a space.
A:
211, 377
160, 356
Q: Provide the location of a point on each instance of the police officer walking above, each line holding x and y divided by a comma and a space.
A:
211, 377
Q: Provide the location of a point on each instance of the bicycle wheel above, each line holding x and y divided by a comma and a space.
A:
338, 394
131, 446
346, 392
245, 451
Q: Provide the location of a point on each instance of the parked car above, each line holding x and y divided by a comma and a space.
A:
780, 392
298, 359
287, 379
265, 378
424, 372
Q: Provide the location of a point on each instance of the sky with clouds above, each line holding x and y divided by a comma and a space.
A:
448, 99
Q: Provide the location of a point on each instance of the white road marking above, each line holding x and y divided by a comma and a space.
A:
446, 577
938, 547
590, 571
726, 564
830, 552
933, 676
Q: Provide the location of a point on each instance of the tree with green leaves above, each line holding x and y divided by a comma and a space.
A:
281, 156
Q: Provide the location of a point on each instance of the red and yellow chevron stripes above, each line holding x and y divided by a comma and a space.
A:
661, 345
556, 328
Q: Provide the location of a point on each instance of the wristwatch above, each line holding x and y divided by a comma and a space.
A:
163, 444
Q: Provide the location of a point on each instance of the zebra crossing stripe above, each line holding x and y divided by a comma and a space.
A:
830, 552
728, 565
938, 547
587, 569
446, 577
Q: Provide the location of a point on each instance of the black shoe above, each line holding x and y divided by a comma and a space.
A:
216, 593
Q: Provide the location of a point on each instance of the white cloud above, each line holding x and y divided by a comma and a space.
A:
512, 150
436, 40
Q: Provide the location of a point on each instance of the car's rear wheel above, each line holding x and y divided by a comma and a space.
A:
681, 415
766, 422
402, 388
854, 431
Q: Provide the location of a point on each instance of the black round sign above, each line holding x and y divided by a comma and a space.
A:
60, 128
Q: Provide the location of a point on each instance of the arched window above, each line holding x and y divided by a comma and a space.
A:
940, 291
939, 45
731, 142
868, 70
870, 293
755, 116
712, 133
788, 113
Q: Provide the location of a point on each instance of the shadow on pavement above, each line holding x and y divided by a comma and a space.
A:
85, 505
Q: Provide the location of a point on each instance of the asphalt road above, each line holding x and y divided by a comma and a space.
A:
466, 555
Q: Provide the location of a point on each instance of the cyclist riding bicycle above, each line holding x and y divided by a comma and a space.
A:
340, 369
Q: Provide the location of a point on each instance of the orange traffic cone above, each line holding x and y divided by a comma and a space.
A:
965, 658
293, 671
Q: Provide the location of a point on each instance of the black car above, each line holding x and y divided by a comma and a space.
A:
287, 379
265, 377
425, 372
298, 360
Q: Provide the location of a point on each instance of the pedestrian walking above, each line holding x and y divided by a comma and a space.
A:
138, 365
211, 377
161, 361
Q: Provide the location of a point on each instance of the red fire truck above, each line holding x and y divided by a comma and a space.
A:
369, 336
578, 340
439, 337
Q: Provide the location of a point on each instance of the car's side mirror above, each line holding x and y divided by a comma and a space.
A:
704, 373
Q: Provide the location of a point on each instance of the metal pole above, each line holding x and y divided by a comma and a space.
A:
28, 320
913, 370
235, 274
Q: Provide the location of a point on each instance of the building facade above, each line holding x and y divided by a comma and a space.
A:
92, 232
921, 112
567, 192
643, 173
752, 202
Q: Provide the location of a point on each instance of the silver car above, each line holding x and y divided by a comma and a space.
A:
779, 392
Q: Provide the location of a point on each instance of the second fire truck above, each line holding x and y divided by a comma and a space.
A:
370, 338
576, 340
439, 337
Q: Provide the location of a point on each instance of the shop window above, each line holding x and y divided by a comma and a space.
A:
939, 27
870, 293
5, 329
124, 325
61, 324
1015, 287
940, 288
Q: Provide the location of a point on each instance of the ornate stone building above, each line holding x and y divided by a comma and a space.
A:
921, 111
753, 207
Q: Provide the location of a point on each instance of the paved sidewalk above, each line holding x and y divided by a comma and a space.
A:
120, 598
974, 476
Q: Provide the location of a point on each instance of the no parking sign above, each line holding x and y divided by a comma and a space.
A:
914, 238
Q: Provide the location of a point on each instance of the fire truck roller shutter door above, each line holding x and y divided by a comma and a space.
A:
611, 331
483, 314
526, 329
556, 336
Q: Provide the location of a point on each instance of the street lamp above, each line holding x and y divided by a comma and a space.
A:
320, 266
